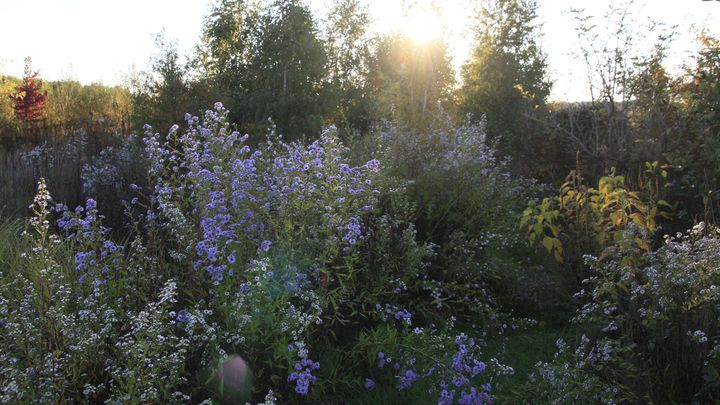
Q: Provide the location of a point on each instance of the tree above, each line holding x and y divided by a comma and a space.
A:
348, 51
505, 78
287, 78
655, 118
614, 63
162, 97
266, 63
29, 100
411, 81
224, 57
629, 117
695, 152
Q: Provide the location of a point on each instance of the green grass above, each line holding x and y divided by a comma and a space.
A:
521, 351
384, 394
11, 244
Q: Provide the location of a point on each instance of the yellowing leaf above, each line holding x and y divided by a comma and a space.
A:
642, 244
548, 243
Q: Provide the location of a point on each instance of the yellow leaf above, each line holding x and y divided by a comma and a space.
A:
548, 243
642, 244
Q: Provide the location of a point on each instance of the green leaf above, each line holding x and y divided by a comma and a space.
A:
548, 243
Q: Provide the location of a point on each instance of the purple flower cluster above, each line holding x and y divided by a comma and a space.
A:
206, 175
382, 359
303, 376
465, 368
398, 313
212, 194
265, 245
406, 380
95, 253
354, 231
457, 376
472, 396
182, 316
462, 360
313, 180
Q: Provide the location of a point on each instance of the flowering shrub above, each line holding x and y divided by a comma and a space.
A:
576, 377
108, 171
643, 312
466, 204
58, 161
63, 333
272, 267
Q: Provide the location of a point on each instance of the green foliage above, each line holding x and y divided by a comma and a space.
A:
651, 325
505, 79
161, 96
348, 66
694, 155
653, 115
583, 220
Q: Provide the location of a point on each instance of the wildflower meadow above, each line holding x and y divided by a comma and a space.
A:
317, 204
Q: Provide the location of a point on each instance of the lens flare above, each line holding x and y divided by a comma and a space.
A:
233, 380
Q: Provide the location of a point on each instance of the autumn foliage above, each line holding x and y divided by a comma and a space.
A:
28, 99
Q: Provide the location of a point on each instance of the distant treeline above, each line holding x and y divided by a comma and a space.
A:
70, 107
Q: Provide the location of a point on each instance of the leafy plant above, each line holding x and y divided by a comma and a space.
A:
651, 325
582, 220
29, 100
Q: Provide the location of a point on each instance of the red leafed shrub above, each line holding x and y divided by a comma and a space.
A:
29, 100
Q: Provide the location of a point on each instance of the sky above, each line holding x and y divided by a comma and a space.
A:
104, 41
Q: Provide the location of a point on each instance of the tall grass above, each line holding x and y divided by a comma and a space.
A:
11, 245
58, 159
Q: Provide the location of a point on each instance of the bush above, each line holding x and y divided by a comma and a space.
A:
467, 204
582, 220
651, 324
246, 275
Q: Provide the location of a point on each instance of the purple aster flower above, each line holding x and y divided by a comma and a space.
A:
265, 245
183, 316
407, 380
446, 398
303, 376
381, 360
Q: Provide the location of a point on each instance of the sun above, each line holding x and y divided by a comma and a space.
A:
422, 25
